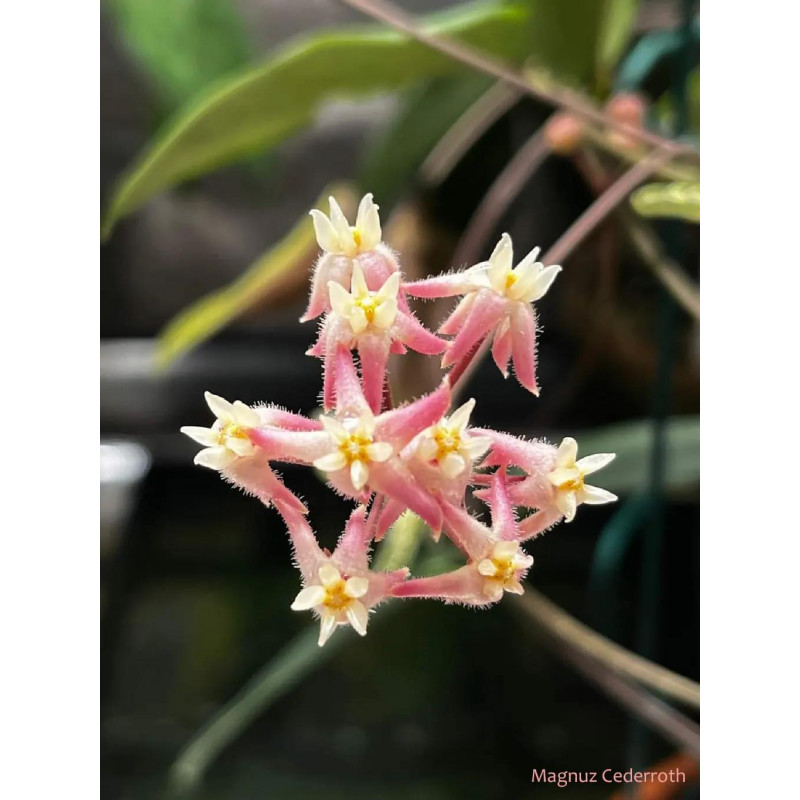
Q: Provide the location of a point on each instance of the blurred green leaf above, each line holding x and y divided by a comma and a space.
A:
211, 313
679, 199
663, 110
426, 115
183, 45
616, 26
633, 442
257, 109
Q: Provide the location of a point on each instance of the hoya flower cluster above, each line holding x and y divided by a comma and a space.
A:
422, 456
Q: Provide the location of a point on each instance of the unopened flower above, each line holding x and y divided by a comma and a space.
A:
496, 301
228, 438
339, 587
568, 479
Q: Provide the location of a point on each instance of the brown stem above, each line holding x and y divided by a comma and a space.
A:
558, 96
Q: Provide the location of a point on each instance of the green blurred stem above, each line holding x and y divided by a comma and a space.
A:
299, 658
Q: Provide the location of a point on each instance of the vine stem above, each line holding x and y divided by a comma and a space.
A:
390, 14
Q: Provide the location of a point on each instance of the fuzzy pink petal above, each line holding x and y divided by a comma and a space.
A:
464, 585
390, 513
523, 345
353, 546
307, 552
255, 476
329, 267
397, 483
487, 310
401, 425
501, 349
287, 420
532, 456
467, 533
340, 482
293, 446
533, 492
382, 586
538, 522
377, 266
504, 522
450, 285
456, 319
350, 400
373, 352
413, 333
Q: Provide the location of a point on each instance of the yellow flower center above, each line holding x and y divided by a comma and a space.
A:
448, 440
368, 303
356, 236
354, 448
230, 430
335, 596
574, 485
511, 279
505, 569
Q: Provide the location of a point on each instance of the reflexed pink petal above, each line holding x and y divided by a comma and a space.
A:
487, 310
504, 522
401, 425
538, 522
501, 348
464, 585
351, 550
307, 552
523, 345
449, 285
532, 456
373, 352
467, 533
396, 482
456, 319
281, 418
350, 400
413, 333
390, 513
329, 267
535, 491
255, 476
293, 446
381, 585
377, 265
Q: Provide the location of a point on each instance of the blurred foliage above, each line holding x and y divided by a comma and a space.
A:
679, 200
182, 46
255, 110
616, 24
663, 110
209, 314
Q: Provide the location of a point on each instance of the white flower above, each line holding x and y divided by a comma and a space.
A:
501, 570
527, 282
227, 439
448, 444
568, 479
353, 447
335, 235
363, 308
336, 601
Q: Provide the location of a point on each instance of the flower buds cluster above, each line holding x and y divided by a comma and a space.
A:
421, 456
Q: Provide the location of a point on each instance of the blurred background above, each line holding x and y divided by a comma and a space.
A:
223, 122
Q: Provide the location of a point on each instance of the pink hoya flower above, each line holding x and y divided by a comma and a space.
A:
554, 480
441, 458
339, 587
496, 301
496, 562
373, 322
229, 449
360, 451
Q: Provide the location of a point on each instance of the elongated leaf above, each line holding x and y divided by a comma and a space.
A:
183, 46
256, 110
680, 200
211, 313
616, 26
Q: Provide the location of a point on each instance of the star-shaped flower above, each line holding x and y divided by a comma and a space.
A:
496, 302
339, 588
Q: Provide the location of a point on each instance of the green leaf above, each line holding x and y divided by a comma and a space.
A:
616, 26
679, 199
183, 46
211, 313
259, 108
427, 114
633, 442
